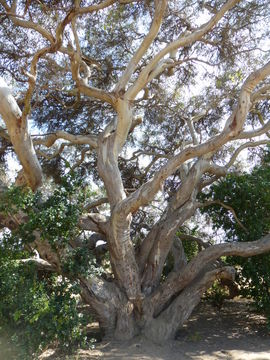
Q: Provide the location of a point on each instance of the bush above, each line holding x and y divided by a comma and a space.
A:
249, 196
39, 308
35, 311
216, 294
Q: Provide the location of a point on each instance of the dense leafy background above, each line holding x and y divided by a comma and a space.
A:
249, 196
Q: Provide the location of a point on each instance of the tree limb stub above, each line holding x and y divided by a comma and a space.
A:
40, 264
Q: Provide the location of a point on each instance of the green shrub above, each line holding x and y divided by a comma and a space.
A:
39, 308
249, 196
216, 294
35, 311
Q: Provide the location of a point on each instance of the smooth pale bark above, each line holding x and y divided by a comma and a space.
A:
49, 140
182, 41
39, 263
104, 298
179, 256
135, 301
161, 246
147, 42
19, 136
145, 194
156, 246
122, 254
94, 222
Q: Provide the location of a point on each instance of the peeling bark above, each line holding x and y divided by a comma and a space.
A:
162, 245
165, 326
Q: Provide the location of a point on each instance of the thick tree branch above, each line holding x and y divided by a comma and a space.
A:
49, 140
166, 324
261, 94
82, 84
40, 264
192, 132
147, 42
30, 25
199, 241
254, 133
178, 253
20, 137
176, 283
96, 203
157, 244
96, 7
182, 41
180, 198
94, 222
106, 300
231, 131
120, 245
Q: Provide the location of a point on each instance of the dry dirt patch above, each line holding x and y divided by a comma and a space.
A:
232, 333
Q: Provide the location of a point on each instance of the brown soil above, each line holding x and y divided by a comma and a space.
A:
233, 333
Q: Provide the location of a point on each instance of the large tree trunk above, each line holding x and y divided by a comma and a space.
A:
136, 299
166, 309
158, 313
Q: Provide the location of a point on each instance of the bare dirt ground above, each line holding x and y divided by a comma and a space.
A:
233, 333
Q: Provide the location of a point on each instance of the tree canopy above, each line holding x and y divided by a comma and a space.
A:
149, 103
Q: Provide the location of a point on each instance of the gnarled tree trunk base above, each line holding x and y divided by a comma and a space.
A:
129, 322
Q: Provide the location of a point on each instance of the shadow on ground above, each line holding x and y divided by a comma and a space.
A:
232, 333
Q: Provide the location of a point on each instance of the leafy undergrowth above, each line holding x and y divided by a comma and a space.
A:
40, 308
36, 312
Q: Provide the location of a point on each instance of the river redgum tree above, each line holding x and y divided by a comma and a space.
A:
151, 101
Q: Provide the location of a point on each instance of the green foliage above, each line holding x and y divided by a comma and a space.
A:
55, 217
216, 294
36, 312
249, 196
191, 249
79, 261
36, 308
